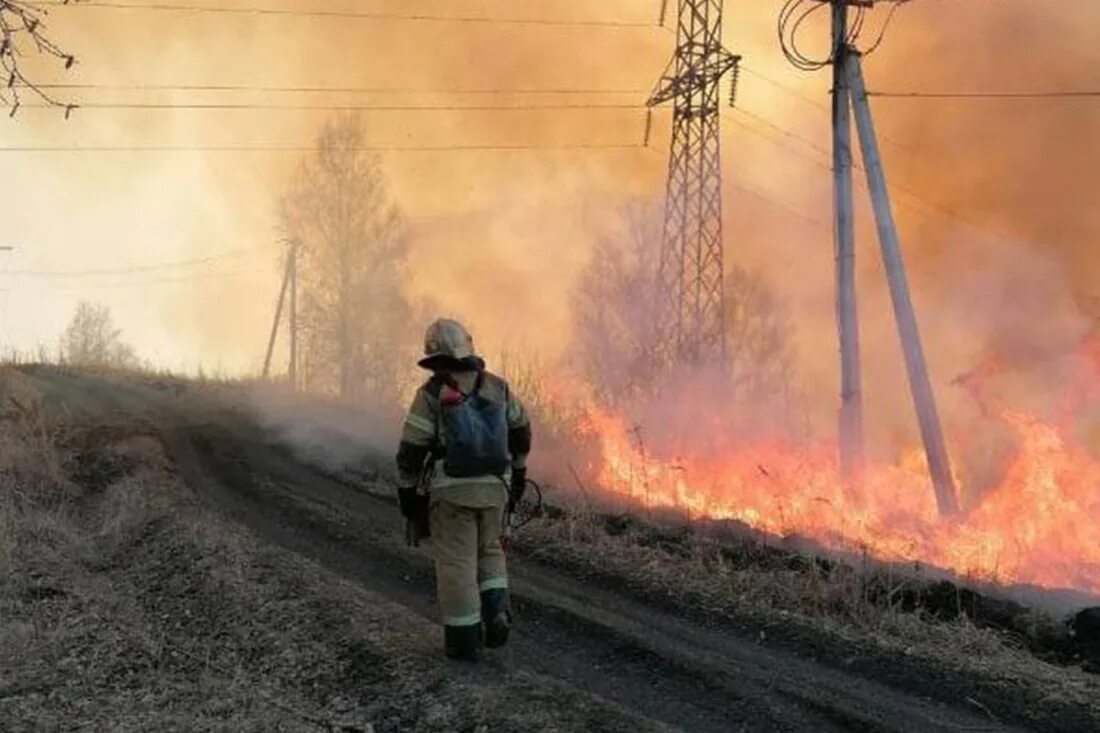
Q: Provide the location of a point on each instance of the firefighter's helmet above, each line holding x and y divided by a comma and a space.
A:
447, 345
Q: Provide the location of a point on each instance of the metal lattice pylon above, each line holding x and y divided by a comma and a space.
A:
691, 318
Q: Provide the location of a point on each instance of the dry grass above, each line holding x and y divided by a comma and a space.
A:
744, 580
126, 606
35, 497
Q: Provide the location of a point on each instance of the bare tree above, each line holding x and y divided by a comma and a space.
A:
92, 340
614, 311
760, 338
353, 245
615, 317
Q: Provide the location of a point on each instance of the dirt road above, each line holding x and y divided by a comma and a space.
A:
685, 675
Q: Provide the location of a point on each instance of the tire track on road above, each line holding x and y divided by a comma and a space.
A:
646, 660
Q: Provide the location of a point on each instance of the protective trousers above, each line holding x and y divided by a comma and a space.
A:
470, 571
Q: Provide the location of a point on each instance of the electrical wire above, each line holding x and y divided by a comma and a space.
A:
346, 14
744, 187
324, 90
885, 27
857, 25
783, 142
161, 281
928, 208
816, 147
794, 14
179, 264
788, 89
757, 193
791, 17
810, 101
279, 107
1053, 94
313, 148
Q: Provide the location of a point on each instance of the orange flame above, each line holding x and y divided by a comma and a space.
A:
1038, 526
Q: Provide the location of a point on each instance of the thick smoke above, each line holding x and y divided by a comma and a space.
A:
343, 440
501, 238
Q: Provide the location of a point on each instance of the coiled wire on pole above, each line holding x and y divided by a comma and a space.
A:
791, 17
795, 13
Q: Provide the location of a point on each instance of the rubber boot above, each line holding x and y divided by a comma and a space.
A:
496, 616
463, 642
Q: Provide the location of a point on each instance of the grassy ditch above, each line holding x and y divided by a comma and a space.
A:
839, 612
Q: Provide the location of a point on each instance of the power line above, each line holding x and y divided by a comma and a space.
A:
752, 191
77, 106
156, 282
928, 206
313, 148
328, 89
812, 102
353, 14
792, 135
196, 262
816, 147
1060, 94
772, 134
788, 89
744, 187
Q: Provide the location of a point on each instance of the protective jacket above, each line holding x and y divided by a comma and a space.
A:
466, 510
423, 436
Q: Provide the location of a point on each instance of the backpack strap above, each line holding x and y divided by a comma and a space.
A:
435, 384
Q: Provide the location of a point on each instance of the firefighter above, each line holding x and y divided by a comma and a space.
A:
466, 424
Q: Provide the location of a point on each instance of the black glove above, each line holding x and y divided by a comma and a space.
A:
519, 485
406, 497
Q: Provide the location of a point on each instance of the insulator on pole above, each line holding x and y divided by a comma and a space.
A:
735, 78
648, 127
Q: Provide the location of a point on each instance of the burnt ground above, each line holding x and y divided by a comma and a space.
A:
585, 634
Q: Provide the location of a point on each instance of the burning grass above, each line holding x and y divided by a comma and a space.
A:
1035, 527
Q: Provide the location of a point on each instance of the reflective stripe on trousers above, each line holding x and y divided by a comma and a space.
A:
468, 559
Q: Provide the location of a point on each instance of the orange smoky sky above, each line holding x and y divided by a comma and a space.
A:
992, 195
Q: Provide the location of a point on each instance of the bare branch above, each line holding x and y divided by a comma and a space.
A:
22, 29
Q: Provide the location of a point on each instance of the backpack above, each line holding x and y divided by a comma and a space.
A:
475, 436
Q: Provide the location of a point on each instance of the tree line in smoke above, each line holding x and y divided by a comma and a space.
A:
358, 329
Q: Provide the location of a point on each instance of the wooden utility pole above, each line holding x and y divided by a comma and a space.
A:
851, 393
292, 369
924, 400
849, 89
278, 316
